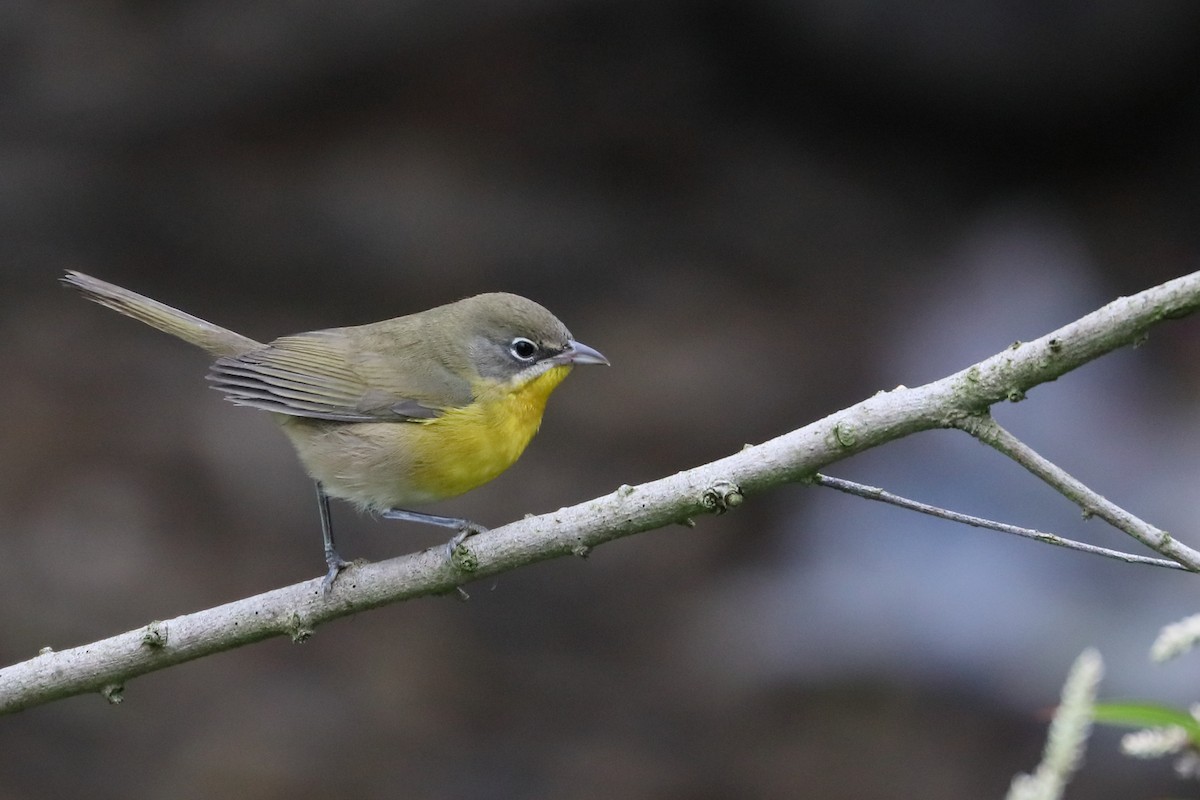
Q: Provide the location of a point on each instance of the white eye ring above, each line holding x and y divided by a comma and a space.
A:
522, 349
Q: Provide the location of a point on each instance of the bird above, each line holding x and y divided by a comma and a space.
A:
389, 414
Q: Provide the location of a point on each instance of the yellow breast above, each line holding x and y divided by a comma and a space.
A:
469, 446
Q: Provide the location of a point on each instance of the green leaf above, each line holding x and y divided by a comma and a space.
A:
1147, 715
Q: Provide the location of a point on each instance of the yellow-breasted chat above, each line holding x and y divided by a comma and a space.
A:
394, 413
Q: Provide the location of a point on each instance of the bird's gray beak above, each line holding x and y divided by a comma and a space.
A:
579, 353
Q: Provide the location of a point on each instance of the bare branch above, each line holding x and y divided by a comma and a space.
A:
988, 431
875, 493
295, 611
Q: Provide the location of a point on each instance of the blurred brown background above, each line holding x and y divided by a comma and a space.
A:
761, 212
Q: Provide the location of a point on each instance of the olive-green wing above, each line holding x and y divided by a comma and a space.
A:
336, 375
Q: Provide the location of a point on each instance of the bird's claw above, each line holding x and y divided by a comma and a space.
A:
336, 565
466, 531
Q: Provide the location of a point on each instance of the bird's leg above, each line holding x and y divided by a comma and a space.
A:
336, 563
464, 527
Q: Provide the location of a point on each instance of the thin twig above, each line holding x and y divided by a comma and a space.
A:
984, 428
875, 493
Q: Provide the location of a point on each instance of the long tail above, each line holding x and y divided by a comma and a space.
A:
213, 338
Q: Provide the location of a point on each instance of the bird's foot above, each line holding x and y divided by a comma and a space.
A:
466, 530
336, 565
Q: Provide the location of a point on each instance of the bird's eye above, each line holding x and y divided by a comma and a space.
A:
522, 349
